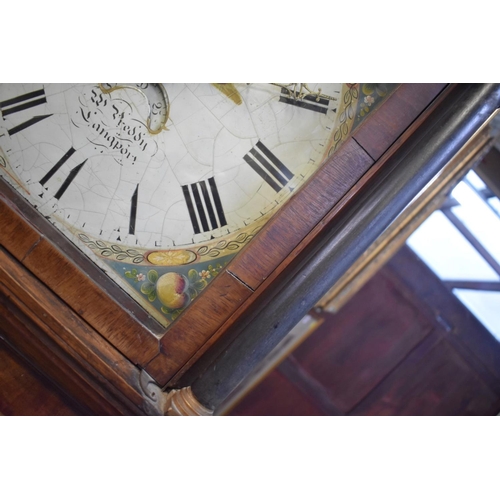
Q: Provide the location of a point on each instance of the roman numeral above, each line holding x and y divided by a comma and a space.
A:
204, 205
72, 174
270, 168
307, 102
133, 211
56, 167
21, 102
22, 126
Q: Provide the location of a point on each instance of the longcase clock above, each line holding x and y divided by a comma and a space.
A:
155, 212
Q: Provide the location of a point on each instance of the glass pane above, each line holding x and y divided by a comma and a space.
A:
475, 180
447, 252
479, 218
495, 204
485, 306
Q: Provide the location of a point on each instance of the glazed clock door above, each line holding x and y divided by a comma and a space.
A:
162, 184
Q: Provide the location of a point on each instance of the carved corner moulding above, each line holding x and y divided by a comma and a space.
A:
176, 403
183, 403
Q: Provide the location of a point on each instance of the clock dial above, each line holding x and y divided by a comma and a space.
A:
161, 184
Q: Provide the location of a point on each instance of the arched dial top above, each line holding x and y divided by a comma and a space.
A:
164, 175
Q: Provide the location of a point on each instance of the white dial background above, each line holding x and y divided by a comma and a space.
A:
207, 136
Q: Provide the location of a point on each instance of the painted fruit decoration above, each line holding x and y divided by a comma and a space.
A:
172, 290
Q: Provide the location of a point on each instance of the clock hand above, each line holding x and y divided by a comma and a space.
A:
157, 98
298, 91
230, 91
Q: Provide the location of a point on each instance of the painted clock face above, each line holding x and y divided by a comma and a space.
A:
161, 184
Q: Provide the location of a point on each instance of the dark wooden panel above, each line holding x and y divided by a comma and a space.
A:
404, 345
381, 129
309, 386
300, 215
190, 331
352, 351
23, 391
92, 303
61, 332
276, 396
459, 324
48, 358
433, 380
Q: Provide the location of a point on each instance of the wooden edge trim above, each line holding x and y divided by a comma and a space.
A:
394, 116
286, 229
221, 298
45, 357
88, 299
75, 337
39, 225
408, 221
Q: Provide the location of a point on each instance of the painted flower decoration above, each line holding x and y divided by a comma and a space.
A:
141, 277
204, 274
369, 100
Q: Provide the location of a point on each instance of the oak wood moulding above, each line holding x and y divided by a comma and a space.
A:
77, 288
398, 112
190, 332
50, 333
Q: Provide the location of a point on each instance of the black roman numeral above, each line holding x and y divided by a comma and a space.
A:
72, 174
56, 167
270, 168
21, 102
204, 205
133, 211
307, 102
26, 124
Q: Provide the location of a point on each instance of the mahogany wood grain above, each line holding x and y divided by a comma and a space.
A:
23, 391
445, 370
78, 290
434, 380
23, 336
290, 401
186, 335
16, 234
18, 208
86, 298
400, 109
77, 343
304, 211
353, 350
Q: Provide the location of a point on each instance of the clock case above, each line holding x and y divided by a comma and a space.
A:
78, 328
